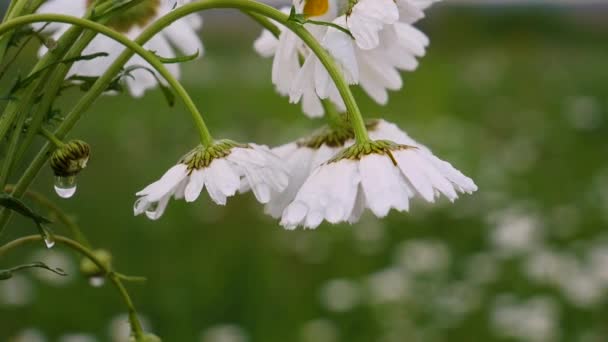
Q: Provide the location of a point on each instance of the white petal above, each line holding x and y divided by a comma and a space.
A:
383, 184
195, 185
165, 184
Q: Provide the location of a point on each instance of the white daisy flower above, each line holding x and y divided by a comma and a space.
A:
379, 175
223, 169
384, 43
181, 35
302, 157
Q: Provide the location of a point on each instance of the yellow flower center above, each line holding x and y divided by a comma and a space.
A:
315, 8
138, 15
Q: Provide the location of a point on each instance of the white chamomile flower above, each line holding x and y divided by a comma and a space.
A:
379, 175
181, 35
302, 157
385, 42
224, 169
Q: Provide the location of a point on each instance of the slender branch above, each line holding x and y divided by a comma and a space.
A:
107, 270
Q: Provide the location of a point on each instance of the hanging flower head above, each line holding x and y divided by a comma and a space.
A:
131, 22
383, 42
223, 169
379, 175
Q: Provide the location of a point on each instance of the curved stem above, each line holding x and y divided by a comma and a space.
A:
84, 251
149, 57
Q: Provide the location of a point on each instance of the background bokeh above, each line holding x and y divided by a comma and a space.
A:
515, 97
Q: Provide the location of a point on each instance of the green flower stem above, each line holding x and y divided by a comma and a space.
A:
51, 137
114, 277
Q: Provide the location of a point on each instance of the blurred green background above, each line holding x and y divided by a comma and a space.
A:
516, 98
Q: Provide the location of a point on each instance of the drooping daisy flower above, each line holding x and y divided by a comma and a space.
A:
385, 42
181, 35
379, 175
223, 169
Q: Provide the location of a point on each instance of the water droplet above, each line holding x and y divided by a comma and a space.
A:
65, 187
49, 242
97, 281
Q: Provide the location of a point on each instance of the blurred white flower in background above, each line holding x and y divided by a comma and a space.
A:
388, 285
319, 330
532, 320
19, 291
422, 256
29, 335
119, 329
224, 333
55, 259
181, 35
340, 295
77, 337
515, 232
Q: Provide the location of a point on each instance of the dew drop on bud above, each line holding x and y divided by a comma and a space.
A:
97, 281
65, 187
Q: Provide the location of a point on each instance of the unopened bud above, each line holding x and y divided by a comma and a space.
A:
69, 159
90, 269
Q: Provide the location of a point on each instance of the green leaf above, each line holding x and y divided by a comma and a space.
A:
295, 17
18, 206
179, 59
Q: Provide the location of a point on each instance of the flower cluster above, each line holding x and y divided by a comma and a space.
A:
382, 42
326, 176
332, 175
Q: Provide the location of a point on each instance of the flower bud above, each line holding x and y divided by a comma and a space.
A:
69, 159
89, 269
